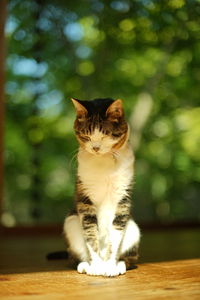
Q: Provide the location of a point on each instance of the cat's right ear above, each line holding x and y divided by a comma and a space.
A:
81, 111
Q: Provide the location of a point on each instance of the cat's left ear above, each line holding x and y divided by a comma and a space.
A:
115, 110
81, 111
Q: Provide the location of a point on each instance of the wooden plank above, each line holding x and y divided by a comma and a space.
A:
2, 78
171, 280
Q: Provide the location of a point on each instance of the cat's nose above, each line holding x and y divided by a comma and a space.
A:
96, 148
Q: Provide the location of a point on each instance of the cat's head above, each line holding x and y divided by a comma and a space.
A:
100, 126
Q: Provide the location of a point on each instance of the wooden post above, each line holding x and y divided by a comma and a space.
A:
2, 79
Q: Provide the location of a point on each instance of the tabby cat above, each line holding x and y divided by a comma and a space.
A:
100, 232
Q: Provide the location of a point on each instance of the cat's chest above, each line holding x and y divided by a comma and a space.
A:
104, 179
96, 167
97, 172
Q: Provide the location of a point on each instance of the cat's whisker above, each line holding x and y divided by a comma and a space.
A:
115, 154
73, 159
74, 151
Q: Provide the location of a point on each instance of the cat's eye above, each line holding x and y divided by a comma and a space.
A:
84, 138
116, 135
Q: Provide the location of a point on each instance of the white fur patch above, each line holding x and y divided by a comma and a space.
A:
100, 140
74, 234
131, 237
102, 268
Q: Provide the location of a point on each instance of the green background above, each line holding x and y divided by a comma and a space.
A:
144, 52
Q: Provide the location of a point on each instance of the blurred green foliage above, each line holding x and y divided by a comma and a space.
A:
144, 52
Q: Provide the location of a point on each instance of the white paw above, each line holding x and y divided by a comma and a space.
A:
104, 268
83, 267
95, 268
121, 267
114, 269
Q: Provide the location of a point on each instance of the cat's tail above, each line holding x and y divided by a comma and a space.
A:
57, 255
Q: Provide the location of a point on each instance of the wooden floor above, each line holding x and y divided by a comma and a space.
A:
169, 268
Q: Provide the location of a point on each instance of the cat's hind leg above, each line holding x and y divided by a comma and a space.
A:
74, 236
128, 252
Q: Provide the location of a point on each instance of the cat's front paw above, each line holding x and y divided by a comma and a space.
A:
95, 268
121, 267
114, 269
108, 268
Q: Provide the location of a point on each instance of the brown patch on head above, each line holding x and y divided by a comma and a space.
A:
116, 122
121, 141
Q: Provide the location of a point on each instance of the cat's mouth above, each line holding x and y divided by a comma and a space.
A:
95, 152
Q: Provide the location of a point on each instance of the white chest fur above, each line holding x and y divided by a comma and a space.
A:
104, 177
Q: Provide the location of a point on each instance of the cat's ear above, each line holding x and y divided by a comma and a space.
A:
115, 110
81, 111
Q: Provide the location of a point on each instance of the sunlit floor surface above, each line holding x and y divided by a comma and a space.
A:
169, 268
